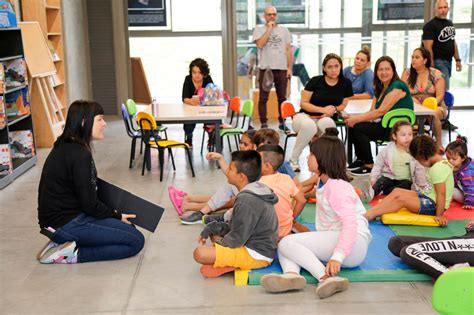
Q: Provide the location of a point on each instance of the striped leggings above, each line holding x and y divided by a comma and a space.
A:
433, 256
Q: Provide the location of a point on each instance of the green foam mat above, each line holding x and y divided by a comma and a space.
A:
454, 228
398, 275
307, 215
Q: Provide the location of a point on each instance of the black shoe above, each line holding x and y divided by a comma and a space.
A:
447, 125
193, 218
283, 127
355, 165
361, 171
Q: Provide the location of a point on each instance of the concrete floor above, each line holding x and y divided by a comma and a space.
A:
163, 278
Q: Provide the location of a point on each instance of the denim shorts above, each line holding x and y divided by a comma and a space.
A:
427, 205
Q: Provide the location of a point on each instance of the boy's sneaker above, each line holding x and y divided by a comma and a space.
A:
281, 283
361, 171
208, 218
63, 254
193, 218
45, 248
295, 165
331, 285
367, 191
355, 165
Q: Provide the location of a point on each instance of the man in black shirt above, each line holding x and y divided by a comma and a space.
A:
438, 39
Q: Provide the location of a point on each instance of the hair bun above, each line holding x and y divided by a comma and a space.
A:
366, 48
461, 139
331, 131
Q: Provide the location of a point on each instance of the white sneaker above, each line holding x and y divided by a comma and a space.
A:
295, 165
459, 266
45, 248
331, 285
63, 254
367, 191
281, 283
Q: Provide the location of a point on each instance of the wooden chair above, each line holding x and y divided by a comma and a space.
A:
151, 139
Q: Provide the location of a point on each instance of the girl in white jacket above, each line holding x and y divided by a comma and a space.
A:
395, 167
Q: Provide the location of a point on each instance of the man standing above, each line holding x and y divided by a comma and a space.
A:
274, 52
438, 38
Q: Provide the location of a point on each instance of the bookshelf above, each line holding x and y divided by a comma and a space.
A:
17, 145
48, 15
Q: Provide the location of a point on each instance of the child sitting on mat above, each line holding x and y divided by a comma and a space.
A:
224, 197
456, 153
435, 199
394, 166
183, 202
250, 240
342, 235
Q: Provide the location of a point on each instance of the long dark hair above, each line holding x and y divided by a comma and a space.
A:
79, 122
378, 85
413, 74
333, 56
330, 155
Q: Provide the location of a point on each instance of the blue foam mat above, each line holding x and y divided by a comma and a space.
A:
378, 256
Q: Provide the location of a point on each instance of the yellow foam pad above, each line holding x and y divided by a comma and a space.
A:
406, 217
241, 277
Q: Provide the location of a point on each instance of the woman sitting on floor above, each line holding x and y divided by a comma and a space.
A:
82, 228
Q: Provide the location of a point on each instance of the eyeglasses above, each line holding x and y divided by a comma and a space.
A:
270, 14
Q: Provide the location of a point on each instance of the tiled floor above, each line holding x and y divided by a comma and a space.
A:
163, 278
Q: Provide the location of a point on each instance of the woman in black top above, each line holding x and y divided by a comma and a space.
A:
322, 97
197, 78
83, 228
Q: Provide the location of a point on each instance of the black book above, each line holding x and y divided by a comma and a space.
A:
148, 214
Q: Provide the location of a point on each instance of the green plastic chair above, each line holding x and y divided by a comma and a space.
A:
453, 292
247, 112
391, 118
132, 114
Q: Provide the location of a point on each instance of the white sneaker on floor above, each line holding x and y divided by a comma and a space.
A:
295, 165
331, 285
45, 248
367, 191
63, 254
281, 283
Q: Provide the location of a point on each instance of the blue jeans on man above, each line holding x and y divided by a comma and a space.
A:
444, 66
100, 239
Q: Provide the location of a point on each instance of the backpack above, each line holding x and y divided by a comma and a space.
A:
212, 95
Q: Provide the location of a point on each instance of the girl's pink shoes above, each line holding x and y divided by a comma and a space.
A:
176, 197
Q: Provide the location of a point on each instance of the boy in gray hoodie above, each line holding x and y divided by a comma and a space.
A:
250, 240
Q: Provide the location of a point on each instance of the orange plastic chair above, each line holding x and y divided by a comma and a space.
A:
288, 111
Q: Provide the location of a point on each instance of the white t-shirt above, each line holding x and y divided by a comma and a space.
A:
273, 54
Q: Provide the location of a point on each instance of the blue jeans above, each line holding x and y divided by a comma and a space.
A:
444, 66
100, 239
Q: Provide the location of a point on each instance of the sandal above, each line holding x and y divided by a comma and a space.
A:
176, 200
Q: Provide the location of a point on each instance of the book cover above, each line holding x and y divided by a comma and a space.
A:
3, 115
21, 142
5, 160
15, 73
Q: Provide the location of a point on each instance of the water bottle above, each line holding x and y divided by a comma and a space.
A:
154, 107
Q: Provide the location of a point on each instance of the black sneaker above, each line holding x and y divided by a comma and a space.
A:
193, 218
264, 125
447, 125
361, 171
208, 218
355, 165
283, 127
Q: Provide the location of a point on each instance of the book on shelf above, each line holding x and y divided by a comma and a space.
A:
21, 143
5, 160
2, 79
15, 73
53, 52
3, 115
17, 103
54, 79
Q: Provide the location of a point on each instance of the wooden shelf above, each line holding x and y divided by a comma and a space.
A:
52, 7
11, 58
54, 34
15, 89
14, 119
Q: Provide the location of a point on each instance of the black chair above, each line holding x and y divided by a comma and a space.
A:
132, 134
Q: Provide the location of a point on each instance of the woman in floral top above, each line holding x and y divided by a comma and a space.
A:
423, 82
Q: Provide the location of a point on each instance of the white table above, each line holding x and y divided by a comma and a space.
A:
358, 107
179, 113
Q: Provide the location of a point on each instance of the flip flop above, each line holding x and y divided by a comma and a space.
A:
176, 200
179, 192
